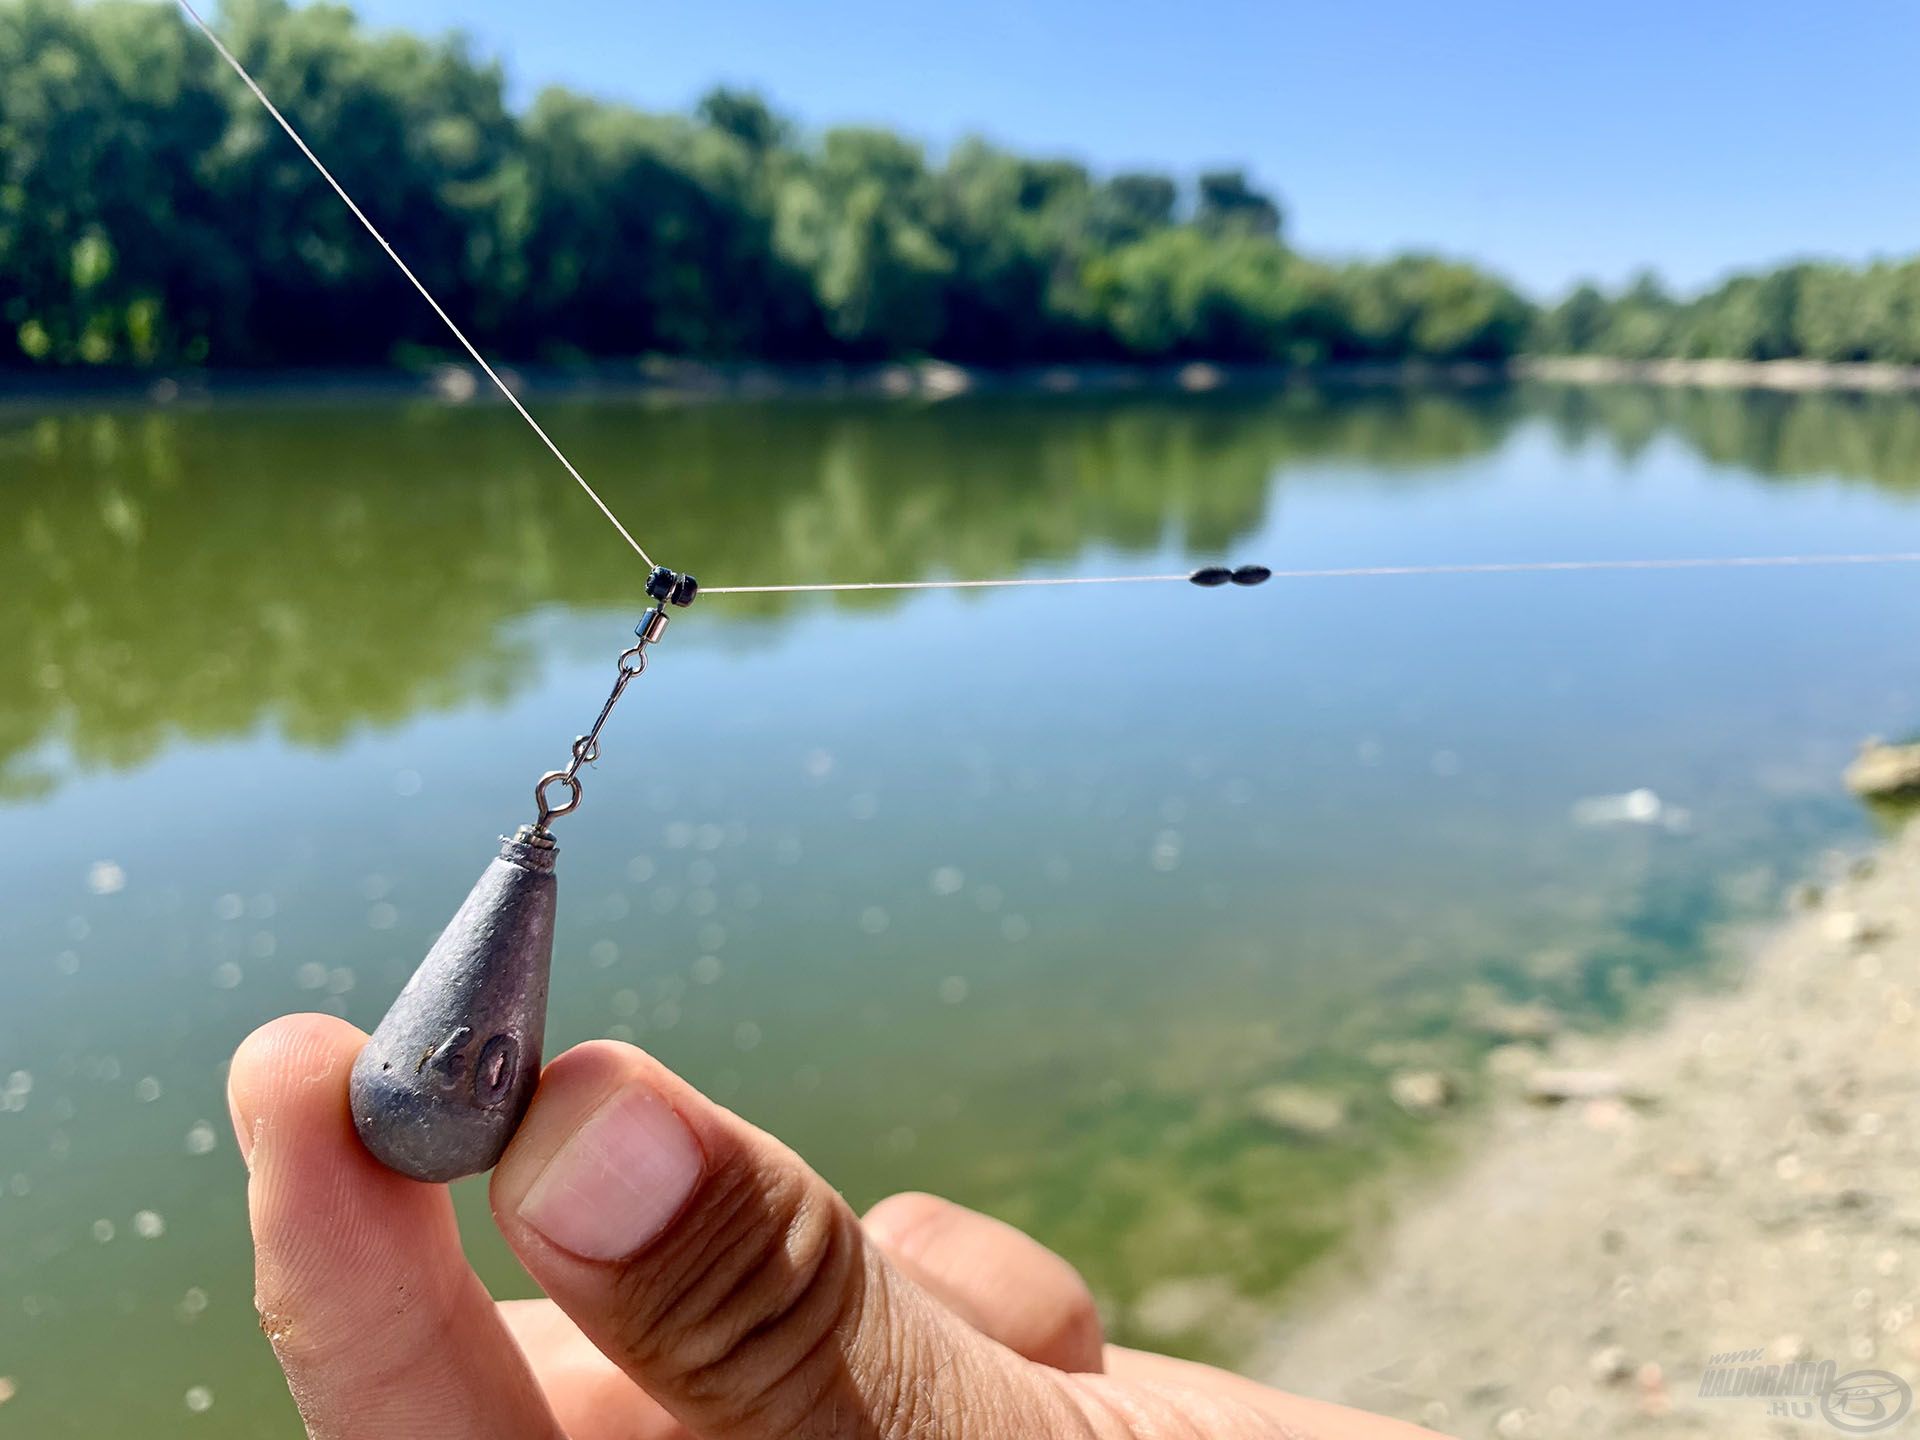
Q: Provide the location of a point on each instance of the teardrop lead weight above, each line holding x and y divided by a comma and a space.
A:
440, 1088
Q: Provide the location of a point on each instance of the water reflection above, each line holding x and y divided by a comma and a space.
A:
193, 575
1784, 436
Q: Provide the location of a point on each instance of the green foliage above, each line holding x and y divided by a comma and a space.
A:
1804, 311
152, 214
1230, 296
1228, 203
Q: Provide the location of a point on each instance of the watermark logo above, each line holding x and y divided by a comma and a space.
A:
1860, 1402
1865, 1401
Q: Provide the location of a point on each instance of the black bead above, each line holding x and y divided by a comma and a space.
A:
1252, 575
684, 590
1212, 575
661, 582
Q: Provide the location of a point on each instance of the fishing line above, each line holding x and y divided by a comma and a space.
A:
425, 294
1350, 572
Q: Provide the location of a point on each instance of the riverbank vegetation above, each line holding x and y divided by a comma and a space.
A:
1809, 310
151, 214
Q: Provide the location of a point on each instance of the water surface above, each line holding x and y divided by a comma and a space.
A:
1015, 896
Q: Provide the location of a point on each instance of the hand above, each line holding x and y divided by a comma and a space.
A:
706, 1286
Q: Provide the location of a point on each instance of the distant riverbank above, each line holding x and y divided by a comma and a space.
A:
682, 380
1795, 375
693, 380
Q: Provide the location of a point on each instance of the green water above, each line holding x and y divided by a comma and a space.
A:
1014, 896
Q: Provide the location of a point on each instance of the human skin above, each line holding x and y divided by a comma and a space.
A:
705, 1284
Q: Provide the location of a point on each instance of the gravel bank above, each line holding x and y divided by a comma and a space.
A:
1745, 1177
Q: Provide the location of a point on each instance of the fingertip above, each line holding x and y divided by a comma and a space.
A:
1000, 1280
596, 1065
285, 1072
899, 1221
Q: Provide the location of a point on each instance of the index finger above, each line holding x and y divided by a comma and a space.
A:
380, 1324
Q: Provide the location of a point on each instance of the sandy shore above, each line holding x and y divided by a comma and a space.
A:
676, 380
1797, 375
1746, 1177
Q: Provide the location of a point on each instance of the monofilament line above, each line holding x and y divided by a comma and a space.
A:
425, 294
1360, 572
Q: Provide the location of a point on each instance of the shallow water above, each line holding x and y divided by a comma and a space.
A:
1014, 896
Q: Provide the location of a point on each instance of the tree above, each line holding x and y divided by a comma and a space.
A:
1577, 325
745, 115
1130, 207
1228, 202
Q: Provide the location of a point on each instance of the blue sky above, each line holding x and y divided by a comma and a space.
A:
1550, 140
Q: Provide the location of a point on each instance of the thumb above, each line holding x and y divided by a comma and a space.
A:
731, 1282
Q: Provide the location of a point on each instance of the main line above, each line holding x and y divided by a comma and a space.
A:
425, 294
1354, 572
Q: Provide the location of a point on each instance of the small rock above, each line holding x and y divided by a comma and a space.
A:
1789, 1349
1885, 772
1298, 1110
1421, 1092
1805, 896
1847, 927
1555, 1087
1179, 1307
1655, 1400
1607, 1114
1512, 1062
1688, 1170
1531, 1021
1610, 1364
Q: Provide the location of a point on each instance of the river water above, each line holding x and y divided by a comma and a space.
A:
1017, 896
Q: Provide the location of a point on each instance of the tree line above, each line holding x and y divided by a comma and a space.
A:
151, 214
1809, 310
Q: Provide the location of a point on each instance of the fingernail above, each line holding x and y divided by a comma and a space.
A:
618, 1181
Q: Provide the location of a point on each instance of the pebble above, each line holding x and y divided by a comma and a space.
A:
1551, 1087
1421, 1092
1610, 1364
1298, 1109
1789, 1349
1845, 927
1531, 1021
